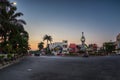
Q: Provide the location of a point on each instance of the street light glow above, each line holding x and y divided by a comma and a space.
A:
14, 3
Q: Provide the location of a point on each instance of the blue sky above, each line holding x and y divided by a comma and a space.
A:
67, 19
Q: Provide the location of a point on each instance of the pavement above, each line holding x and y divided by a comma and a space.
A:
63, 68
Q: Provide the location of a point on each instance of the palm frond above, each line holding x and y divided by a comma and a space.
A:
21, 21
45, 37
17, 15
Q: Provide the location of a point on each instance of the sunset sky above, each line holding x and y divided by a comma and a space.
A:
67, 19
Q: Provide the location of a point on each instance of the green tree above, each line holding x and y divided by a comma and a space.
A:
109, 47
12, 28
40, 45
48, 38
9, 19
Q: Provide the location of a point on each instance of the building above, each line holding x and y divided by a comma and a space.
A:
118, 43
72, 48
59, 47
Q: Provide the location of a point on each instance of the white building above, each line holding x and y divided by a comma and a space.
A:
118, 43
118, 40
59, 47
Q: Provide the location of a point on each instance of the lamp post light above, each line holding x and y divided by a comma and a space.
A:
14, 3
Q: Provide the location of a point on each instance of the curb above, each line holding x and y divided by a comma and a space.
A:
10, 63
6, 65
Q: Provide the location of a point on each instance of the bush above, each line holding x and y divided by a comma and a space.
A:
1, 57
9, 56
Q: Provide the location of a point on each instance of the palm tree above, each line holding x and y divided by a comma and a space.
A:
10, 21
11, 26
48, 38
24, 42
40, 45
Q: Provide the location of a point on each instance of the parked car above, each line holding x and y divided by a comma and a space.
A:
37, 54
85, 55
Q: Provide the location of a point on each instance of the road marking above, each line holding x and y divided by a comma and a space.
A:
29, 69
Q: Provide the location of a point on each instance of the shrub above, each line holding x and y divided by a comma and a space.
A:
9, 56
1, 58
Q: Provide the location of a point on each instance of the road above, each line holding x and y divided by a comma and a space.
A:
63, 68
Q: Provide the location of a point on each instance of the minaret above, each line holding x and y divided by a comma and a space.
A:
83, 38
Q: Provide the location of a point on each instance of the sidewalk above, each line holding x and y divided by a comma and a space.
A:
10, 63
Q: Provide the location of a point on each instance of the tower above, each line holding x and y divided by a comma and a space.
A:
83, 39
83, 45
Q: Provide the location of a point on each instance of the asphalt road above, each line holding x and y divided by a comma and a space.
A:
64, 68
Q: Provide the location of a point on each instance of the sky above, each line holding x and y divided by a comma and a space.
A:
67, 19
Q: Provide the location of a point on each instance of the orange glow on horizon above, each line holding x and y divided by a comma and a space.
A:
34, 43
